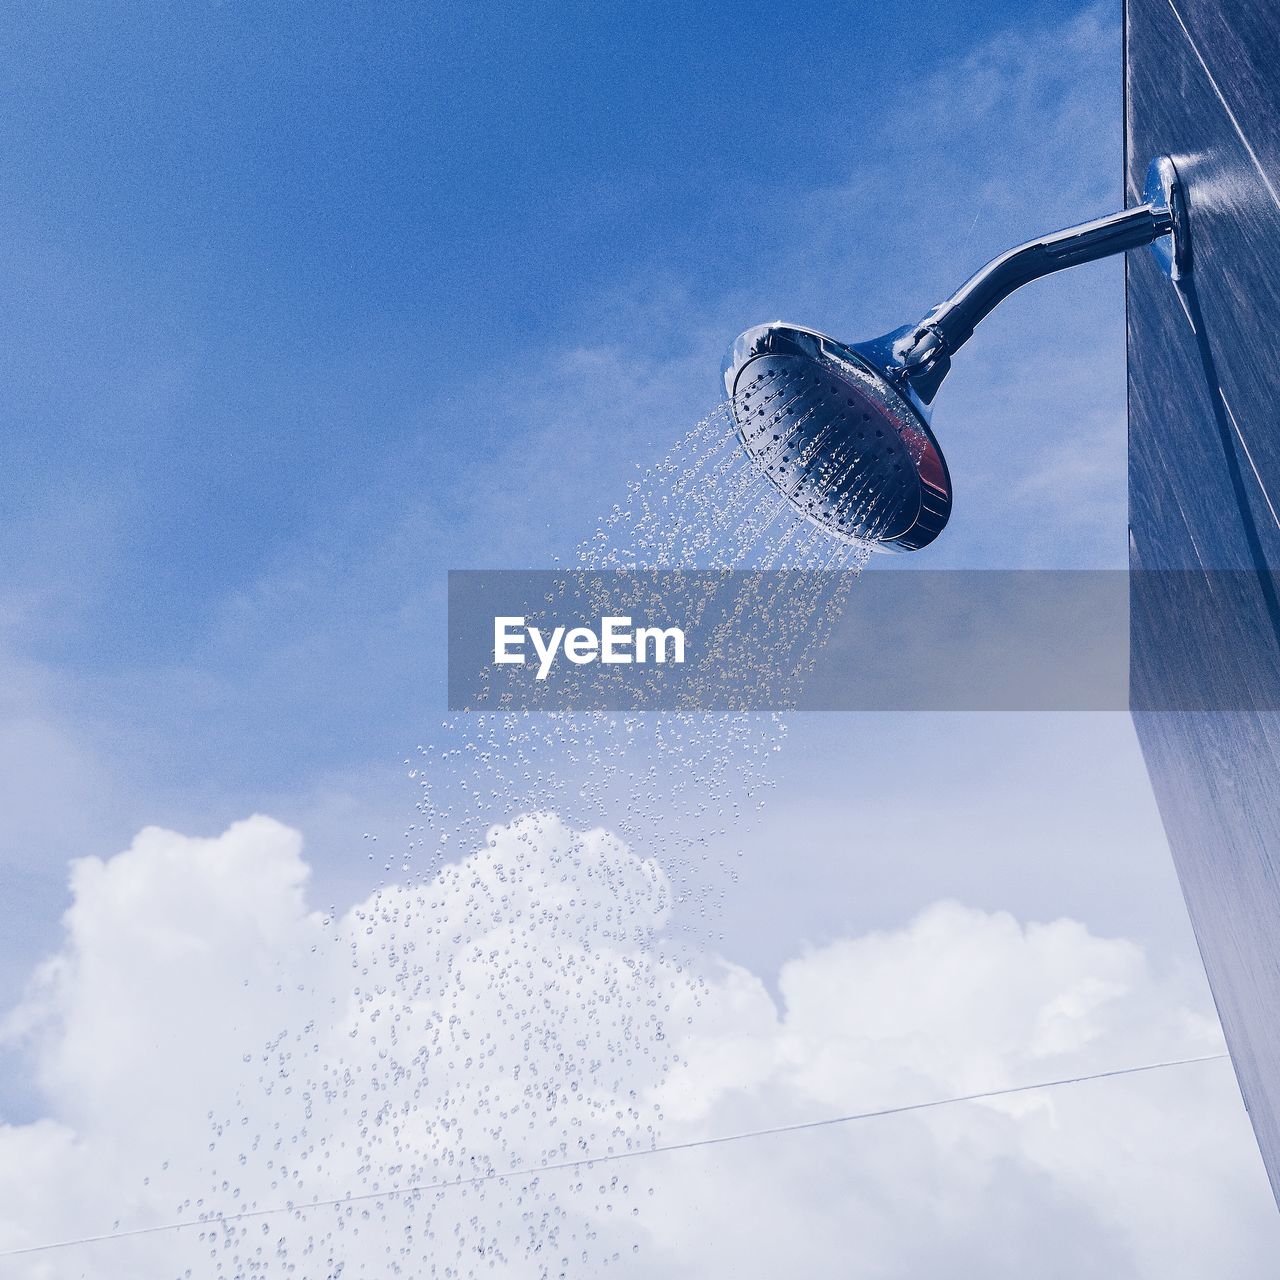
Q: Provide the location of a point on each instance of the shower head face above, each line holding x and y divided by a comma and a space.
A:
837, 439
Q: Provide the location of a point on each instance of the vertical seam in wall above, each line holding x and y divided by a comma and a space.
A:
1124, 177
1253, 466
1275, 197
1231, 115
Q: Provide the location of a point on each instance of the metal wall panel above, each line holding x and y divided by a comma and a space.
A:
1203, 85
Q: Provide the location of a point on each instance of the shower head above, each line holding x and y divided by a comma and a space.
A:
846, 446
842, 431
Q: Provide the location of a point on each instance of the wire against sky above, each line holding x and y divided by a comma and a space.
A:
611, 1157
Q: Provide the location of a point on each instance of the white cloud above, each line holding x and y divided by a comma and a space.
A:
961, 1001
205, 1041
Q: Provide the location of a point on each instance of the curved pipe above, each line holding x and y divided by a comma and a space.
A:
923, 351
952, 322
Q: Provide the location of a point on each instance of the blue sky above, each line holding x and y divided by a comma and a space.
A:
304, 308
266, 270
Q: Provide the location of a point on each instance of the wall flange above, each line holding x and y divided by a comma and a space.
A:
1164, 188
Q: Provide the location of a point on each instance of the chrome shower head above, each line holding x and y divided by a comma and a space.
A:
842, 431
848, 448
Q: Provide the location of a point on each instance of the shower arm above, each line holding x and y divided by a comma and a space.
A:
922, 353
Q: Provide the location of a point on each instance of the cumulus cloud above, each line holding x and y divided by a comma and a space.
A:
960, 1001
208, 1044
